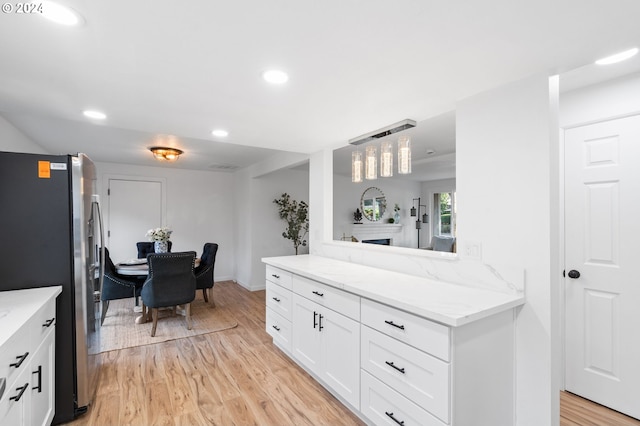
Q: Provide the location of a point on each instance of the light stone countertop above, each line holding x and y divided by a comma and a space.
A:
450, 304
17, 306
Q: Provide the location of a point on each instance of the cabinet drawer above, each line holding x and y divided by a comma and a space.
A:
278, 276
279, 328
384, 406
43, 321
418, 376
279, 299
340, 301
16, 350
418, 332
13, 412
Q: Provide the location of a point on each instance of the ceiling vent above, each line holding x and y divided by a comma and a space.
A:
223, 167
385, 131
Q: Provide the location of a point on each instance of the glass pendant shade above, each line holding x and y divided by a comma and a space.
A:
356, 166
404, 155
386, 159
371, 163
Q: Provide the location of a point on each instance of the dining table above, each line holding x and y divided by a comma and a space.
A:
140, 268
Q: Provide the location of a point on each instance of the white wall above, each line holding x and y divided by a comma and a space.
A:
346, 198
200, 209
13, 140
507, 147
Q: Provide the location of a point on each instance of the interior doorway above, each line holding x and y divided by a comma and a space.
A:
135, 206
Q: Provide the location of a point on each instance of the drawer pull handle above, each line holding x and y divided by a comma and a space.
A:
39, 373
391, 364
20, 359
401, 327
315, 315
320, 326
317, 293
276, 327
18, 396
48, 322
275, 276
276, 299
394, 419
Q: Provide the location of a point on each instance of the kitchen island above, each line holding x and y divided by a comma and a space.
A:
395, 347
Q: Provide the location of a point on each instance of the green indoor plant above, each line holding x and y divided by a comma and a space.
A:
296, 214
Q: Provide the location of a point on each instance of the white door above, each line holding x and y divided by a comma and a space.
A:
135, 206
602, 205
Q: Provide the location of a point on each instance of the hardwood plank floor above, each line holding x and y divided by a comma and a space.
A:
232, 377
238, 377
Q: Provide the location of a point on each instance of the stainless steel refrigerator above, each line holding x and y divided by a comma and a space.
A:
51, 234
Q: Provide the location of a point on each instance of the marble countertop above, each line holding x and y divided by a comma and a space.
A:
17, 306
449, 304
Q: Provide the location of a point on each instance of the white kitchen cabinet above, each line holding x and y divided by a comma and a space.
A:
27, 356
279, 307
327, 344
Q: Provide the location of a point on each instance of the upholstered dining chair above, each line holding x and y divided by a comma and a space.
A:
116, 286
171, 282
146, 247
204, 272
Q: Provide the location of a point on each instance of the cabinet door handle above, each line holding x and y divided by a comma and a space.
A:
394, 419
20, 359
391, 364
18, 396
275, 276
39, 373
317, 293
276, 327
320, 327
401, 327
276, 299
48, 322
315, 314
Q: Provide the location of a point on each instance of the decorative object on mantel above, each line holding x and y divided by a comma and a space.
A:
386, 153
425, 216
357, 217
296, 214
349, 238
160, 237
396, 213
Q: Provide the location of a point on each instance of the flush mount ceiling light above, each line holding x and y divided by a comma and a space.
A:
165, 154
60, 14
618, 57
96, 115
275, 76
220, 133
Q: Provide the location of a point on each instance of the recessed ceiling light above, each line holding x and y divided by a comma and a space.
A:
275, 76
97, 115
618, 57
60, 14
220, 133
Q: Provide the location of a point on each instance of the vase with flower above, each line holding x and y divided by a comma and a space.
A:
160, 237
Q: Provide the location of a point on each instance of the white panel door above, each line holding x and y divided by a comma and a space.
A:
135, 206
602, 206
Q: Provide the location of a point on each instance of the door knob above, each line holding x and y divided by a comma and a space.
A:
574, 274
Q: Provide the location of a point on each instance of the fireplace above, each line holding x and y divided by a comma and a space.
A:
380, 241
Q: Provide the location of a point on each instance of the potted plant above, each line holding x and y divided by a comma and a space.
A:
296, 214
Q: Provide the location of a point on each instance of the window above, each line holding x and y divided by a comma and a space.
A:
444, 213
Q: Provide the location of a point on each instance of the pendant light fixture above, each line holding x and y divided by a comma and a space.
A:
356, 166
404, 155
386, 159
371, 163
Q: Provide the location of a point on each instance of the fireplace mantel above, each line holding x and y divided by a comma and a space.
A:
377, 228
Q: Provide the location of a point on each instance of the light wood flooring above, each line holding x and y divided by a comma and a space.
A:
237, 377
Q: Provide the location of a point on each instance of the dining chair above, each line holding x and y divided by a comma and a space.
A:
170, 282
146, 247
204, 272
116, 286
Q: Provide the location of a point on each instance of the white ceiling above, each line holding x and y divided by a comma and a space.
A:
184, 68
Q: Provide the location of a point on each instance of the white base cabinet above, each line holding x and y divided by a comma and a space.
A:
27, 357
393, 367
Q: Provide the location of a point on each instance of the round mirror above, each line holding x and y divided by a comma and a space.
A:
373, 204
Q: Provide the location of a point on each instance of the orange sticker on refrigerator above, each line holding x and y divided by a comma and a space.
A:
44, 170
